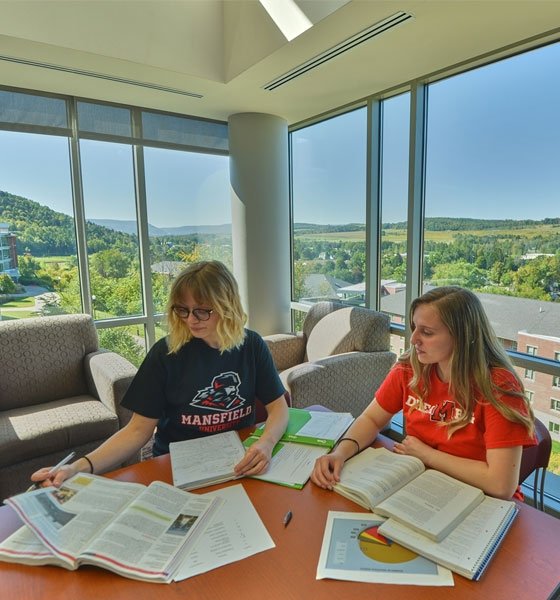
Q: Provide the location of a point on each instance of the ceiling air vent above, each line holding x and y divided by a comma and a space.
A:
152, 86
363, 36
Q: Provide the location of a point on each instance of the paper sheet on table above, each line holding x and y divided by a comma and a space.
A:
235, 532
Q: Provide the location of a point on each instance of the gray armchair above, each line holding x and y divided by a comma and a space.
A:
58, 392
338, 360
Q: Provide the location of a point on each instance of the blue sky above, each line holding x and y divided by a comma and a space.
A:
493, 148
493, 151
183, 189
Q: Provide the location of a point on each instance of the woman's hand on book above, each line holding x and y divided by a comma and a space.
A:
412, 446
256, 459
326, 471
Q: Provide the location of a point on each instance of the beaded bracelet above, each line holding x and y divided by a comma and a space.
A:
89, 463
348, 439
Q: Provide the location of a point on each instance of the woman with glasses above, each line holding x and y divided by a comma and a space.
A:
202, 379
464, 407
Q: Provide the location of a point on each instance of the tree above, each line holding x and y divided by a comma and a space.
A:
119, 340
7, 286
538, 278
111, 263
459, 273
29, 268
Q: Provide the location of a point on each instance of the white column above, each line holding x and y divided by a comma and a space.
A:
258, 145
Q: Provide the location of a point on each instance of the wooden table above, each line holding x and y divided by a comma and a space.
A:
527, 565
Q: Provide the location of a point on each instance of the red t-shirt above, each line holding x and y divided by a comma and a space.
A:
488, 428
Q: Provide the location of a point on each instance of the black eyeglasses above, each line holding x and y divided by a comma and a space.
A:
202, 314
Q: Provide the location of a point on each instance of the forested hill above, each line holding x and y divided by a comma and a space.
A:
433, 224
43, 231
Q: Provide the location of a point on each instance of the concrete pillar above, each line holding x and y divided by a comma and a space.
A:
258, 145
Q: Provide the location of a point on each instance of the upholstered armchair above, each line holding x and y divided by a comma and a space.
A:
338, 360
58, 392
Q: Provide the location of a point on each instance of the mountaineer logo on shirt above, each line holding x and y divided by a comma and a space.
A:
222, 394
223, 401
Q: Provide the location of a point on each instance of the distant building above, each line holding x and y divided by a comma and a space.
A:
8, 252
533, 255
543, 389
358, 290
171, 268
318, 286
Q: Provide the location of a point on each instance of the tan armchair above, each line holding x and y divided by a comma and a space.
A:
338, 360
58, 392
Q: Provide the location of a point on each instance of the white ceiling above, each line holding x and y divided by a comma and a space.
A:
227, 50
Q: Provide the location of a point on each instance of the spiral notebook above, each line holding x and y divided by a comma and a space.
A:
469, 548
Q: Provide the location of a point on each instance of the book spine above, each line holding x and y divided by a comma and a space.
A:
493, 545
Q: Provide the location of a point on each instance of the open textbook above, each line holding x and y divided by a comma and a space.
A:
309, 435
136, 531
468, 549
400, 487
205, 461
209, 460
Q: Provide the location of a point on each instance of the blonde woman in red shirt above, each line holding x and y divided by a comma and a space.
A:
464, 406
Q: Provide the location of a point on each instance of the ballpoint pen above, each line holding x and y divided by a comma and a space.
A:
287, 518
52, 471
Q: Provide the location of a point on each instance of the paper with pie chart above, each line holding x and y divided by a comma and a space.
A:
354, 550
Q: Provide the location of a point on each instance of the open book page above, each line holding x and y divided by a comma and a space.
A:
433, 503
235, 532
354, 550
205, 461
24, 547
319, 428
470, 546
373, 475
135, 531
66, 519
291, 464
151, 537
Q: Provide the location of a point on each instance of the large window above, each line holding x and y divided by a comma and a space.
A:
73, 210
469, 180
329, 209
394, 210
37, 213
111, 232
492, 211
189, 212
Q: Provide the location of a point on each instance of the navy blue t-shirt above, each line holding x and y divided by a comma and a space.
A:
199, 391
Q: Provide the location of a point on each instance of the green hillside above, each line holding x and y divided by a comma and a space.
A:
45, 232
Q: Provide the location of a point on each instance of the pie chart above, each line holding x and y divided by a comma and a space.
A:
376, 546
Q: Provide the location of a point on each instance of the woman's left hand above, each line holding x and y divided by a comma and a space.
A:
256, 459
412, 446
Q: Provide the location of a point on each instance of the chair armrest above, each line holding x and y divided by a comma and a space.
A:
109, 375
287, 349
343, 382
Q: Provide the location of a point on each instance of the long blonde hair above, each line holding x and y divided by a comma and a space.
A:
476, 350
210, 284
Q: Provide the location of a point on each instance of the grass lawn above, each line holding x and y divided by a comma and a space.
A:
53, 259
8, 315
28, 302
